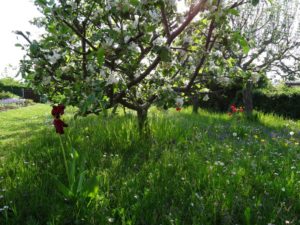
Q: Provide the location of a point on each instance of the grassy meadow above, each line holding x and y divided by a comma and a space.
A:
193, 169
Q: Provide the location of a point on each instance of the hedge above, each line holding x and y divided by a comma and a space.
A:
282, 101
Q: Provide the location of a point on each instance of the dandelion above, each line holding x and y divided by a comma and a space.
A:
234, 134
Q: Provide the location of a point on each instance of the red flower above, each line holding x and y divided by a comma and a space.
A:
58, 110
59, 125
241, 109
233, 108
178, 109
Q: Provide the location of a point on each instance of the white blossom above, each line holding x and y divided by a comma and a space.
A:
136, 21
206, 98
155, 16
179, 102
90, 68
46, 80
112, 79
255, 77
159, 41
224, 80
187, 40
54, 57
126, 39
102, 73
134, 47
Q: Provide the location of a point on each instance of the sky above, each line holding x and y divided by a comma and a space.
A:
14, 15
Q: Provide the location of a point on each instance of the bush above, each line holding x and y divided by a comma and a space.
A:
7, 94
11, 82
283, 101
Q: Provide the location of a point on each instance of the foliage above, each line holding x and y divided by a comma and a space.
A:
10, 82
283, 101
6, 94
197, 169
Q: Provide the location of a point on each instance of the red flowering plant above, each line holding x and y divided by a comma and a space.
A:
235, 110
56, 112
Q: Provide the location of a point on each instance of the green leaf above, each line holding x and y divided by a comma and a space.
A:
100, 57
81, 181
255, 2
234, 12
134, 2
244, 45
65, 191
34, 48
92, 187
164, 54
242, 42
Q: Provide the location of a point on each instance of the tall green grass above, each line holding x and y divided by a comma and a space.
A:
193, 169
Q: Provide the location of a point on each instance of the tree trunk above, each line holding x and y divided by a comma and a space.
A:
247, 98
196, 104
143, 122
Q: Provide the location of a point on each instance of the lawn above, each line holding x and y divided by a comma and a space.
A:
193, 169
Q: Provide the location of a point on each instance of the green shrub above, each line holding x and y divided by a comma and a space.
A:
6, 94
282, 101
11, 82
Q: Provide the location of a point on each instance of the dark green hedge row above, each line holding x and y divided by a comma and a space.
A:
284, 101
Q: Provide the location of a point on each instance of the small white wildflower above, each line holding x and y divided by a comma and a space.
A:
234, 134
111, 220
292, 133
283, 189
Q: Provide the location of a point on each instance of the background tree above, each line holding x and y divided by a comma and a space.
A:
272, 47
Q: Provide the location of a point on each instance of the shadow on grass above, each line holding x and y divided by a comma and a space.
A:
114, 151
